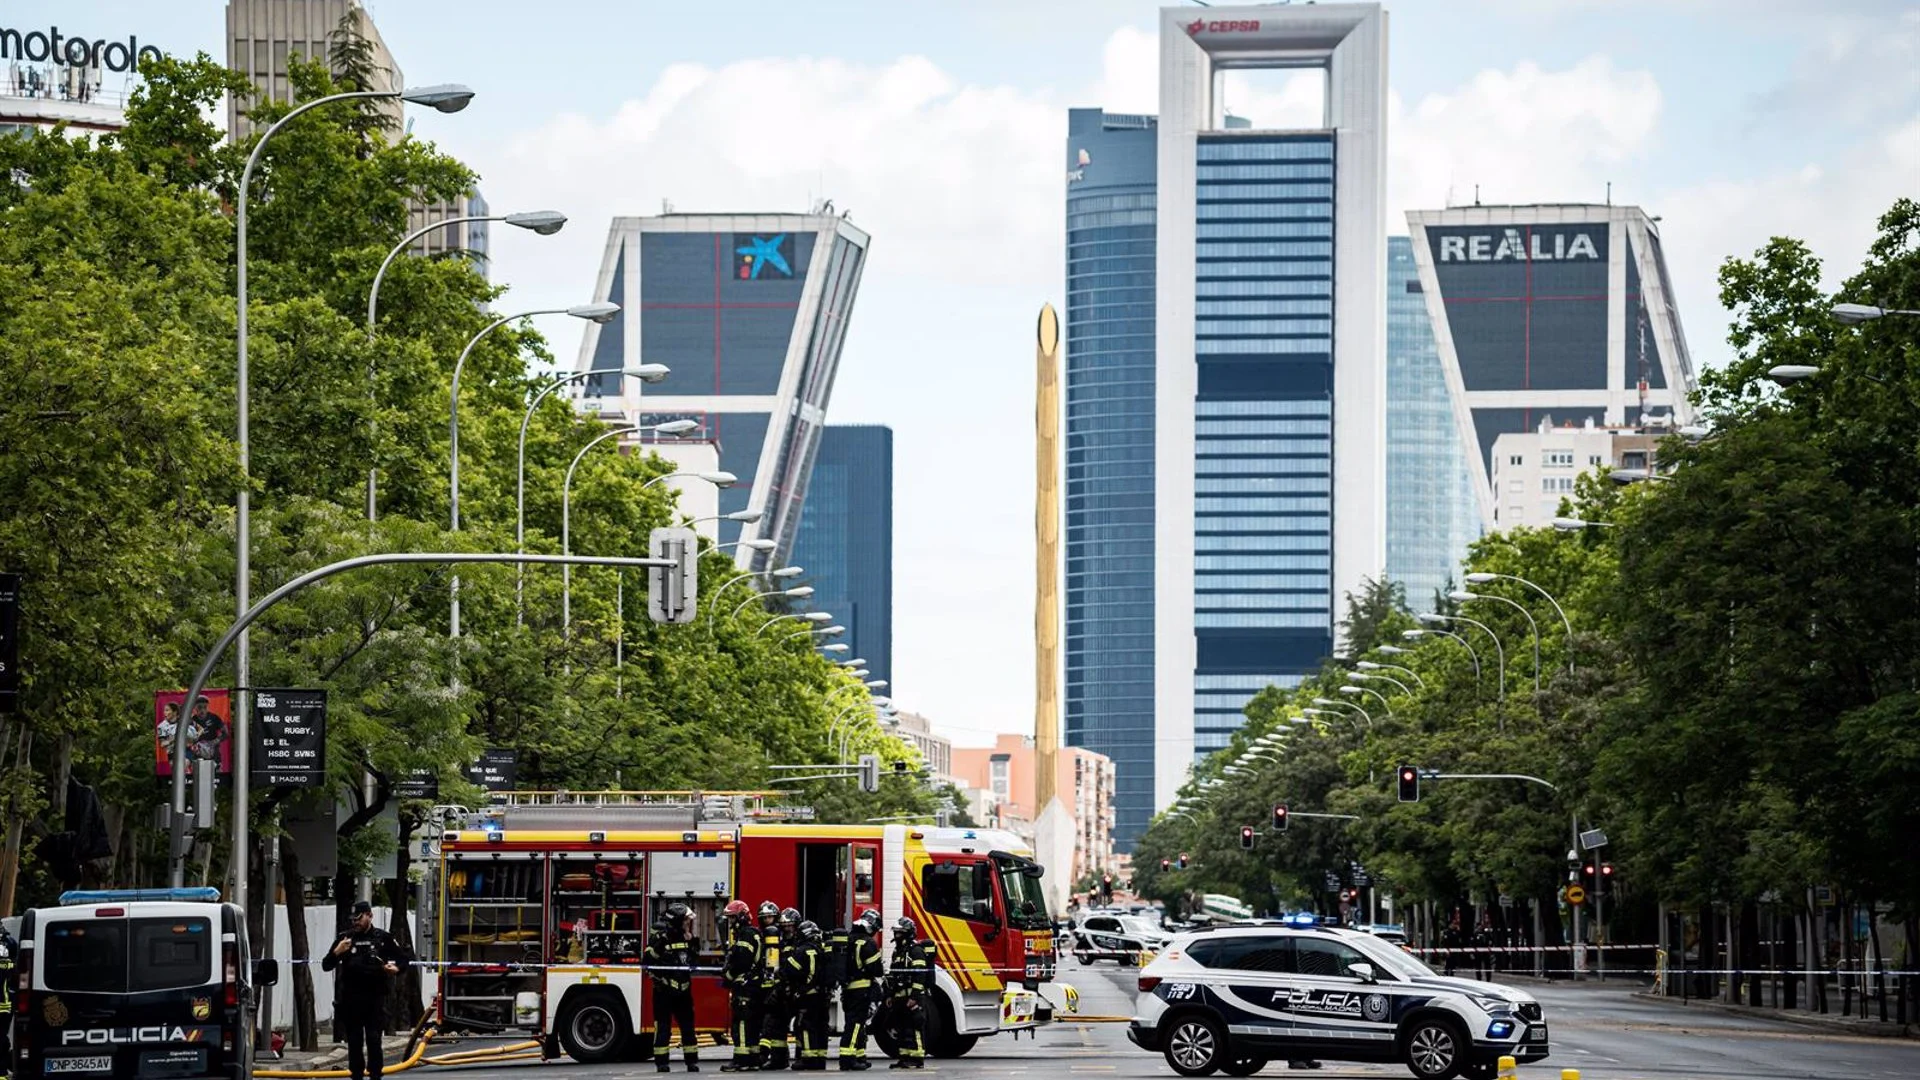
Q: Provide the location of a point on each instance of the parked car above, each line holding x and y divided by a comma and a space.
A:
1128, 939
1232, 999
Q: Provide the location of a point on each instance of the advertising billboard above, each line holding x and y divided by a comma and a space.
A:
290, 738
209, 728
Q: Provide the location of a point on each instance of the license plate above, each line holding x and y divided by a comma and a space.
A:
79, 1065
1536, 1033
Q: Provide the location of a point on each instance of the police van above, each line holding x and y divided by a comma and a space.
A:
155, 984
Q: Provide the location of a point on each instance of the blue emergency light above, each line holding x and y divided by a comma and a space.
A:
201, 895
1303, 918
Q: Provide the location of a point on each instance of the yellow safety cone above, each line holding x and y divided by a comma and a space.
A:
1507, 1066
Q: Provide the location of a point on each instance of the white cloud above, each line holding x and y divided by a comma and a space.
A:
1525, 135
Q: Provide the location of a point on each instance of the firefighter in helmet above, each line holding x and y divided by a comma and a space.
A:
865, 970
740, 974
670, 959
909, 994
777, 1006
805, 968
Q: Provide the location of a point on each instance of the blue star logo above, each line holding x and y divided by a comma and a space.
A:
760, 252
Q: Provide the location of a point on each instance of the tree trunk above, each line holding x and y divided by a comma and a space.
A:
10, 857
304, 1034
405, 1005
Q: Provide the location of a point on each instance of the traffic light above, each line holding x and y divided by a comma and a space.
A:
1409, 784
1606, 878
1166, 865
673, 591
1279, 817
869, 772
1183, 860
1246, 836
1106, 886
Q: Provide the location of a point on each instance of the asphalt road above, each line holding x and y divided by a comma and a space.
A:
1603, 1031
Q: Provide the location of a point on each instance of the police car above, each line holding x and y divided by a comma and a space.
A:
149, 983
1233, 998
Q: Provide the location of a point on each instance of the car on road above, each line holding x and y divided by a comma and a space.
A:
1125, 938
1232, 999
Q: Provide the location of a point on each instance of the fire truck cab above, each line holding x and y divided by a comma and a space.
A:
543, 904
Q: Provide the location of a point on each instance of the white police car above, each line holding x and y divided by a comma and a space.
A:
1234, 998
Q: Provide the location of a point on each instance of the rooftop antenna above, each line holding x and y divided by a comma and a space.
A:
1476, 194
666, 206
1609, 193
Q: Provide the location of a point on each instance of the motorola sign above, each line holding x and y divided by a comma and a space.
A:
49, 45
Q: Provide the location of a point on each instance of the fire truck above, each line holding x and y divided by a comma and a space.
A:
544, 900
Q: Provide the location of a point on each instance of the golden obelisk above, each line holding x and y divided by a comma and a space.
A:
1046, 547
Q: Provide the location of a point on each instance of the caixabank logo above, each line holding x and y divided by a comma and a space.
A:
762, 258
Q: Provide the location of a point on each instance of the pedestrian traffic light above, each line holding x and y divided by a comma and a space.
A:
1279, 817
1246, 836
1409, 784
1183, 860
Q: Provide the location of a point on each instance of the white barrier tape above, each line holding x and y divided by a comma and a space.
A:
1466, 949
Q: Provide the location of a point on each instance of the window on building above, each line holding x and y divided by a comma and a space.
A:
1516, 485
1558, 459
1516, 459
1593, 459
997, 777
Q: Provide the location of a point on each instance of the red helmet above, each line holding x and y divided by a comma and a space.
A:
737, 910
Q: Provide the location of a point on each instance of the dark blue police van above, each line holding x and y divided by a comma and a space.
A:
155, 984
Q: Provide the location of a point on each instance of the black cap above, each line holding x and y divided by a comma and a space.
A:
362, 907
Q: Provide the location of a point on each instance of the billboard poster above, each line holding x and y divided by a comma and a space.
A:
9, 642
496, 770
209, 728
418, 784
290, 738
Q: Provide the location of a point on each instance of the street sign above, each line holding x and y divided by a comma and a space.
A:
496, 770
1593, 838
418, 784
9, 642
290, 738
673, 591
1505, 900
1576, 894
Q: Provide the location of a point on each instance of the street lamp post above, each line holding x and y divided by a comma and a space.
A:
1384, 703
803, 616
1372, 665
540, 222
671, 427
1461, 596
1361, 677
598, 312
646, 373
1416, 635
1566, 624
1499, 651
1354, 705
446, 98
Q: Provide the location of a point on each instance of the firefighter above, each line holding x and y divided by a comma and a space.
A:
909, 990
670, 958
776, 1016
865, 969
805, 967
740, 973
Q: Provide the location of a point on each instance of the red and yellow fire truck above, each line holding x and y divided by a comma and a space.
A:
544, 901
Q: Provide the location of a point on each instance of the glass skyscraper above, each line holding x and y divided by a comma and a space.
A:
1109, 467
1431, 516
845, 543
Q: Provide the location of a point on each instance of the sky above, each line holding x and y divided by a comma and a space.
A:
941, 127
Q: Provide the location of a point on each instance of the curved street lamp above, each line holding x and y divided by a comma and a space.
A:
1351, 689
1362, 677
1354, 705
1416, 635
1461, 596
1370, 665
447, 98
566, 506
1482, 577
1499, 651
806, 616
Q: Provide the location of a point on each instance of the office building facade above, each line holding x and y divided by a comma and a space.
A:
845, 542
1270, 369
1431, 513
1109, 450
1533, 471
1557, 313
750, 312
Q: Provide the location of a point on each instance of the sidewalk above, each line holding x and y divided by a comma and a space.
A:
1843, 1025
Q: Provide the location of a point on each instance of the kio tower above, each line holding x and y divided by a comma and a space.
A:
1270, 376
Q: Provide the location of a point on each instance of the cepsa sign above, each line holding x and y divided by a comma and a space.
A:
1222, 26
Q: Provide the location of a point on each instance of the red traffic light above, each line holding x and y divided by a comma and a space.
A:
1183, 860
1606, 869
1246, 836
1279, 817
1409, 784
1166, 864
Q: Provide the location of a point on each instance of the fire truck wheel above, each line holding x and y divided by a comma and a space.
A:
942, 1042
595, 1029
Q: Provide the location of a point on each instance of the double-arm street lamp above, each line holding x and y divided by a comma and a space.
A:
447, 98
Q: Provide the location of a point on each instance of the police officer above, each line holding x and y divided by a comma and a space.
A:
805, 967
740, 974
865, 968
776, 1017
367, 959
909, 993
670, 958
9, 950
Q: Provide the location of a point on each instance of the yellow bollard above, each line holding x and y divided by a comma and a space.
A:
1507, 1065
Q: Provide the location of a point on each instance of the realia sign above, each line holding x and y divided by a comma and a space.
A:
39, 47
1510, 245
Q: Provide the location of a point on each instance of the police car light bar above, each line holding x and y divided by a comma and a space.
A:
201, 895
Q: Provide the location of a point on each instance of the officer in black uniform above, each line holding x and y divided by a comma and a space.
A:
909, 994
866, 969
805, 967
670, 958
740, 974
367, 958
9, 953
776, 1017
